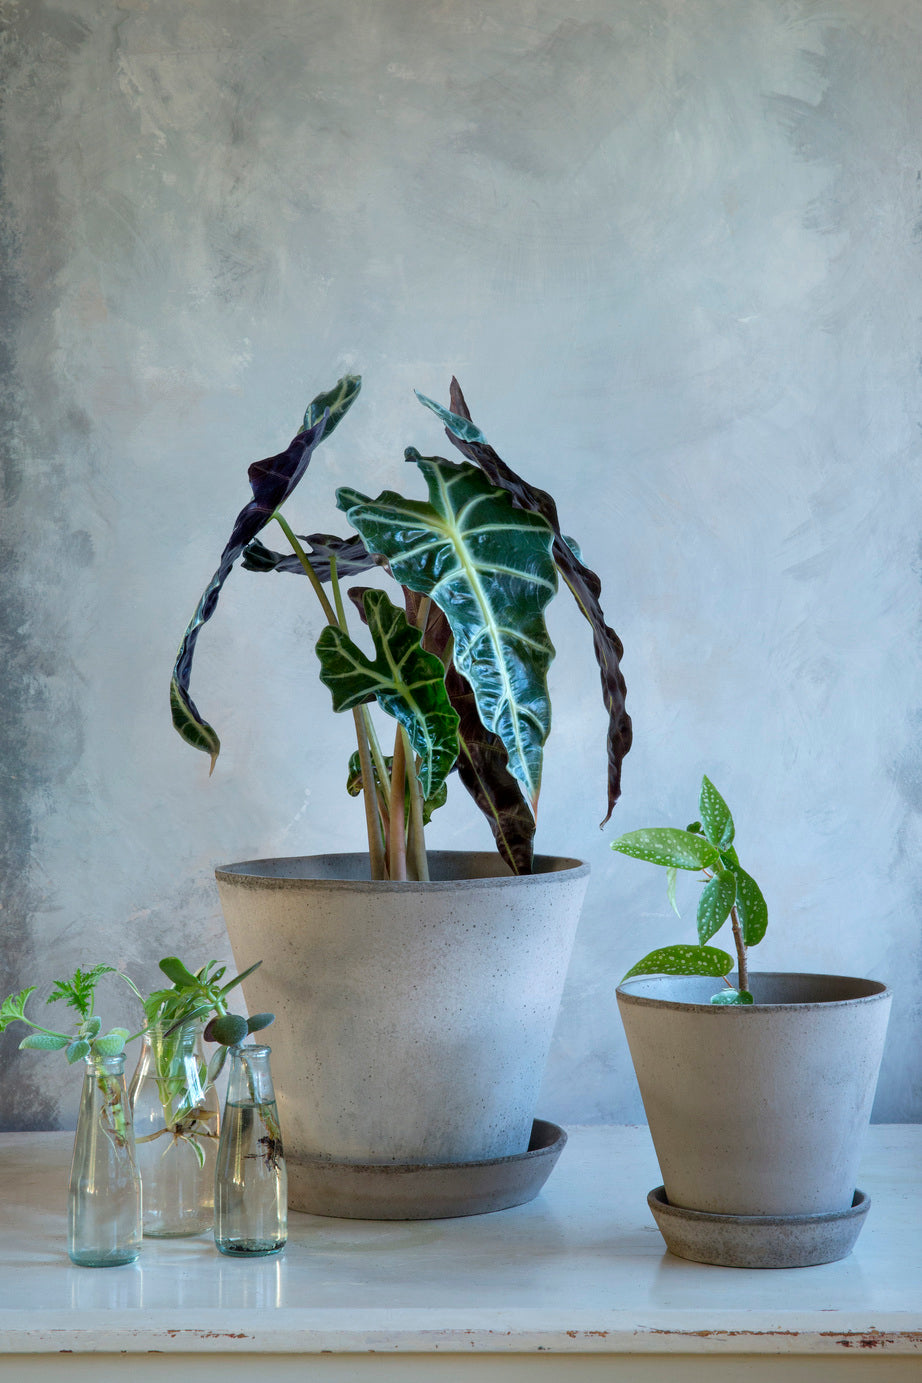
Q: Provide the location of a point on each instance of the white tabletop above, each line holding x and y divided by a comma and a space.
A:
580, 1270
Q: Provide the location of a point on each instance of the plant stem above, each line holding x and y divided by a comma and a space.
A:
743, 977
416, 840
308, 569
396, 813
337, 618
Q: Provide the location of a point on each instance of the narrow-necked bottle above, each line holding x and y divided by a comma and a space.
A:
176, 1131
104, 1193
251, 1183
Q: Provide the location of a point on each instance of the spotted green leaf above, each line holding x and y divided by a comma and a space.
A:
715, 816
683, 960
732, 996
407, 683
751, 906
667, 846
488, 567
714, 904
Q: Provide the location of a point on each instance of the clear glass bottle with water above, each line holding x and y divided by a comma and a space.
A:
176, 1131
251, 1183
104, 1192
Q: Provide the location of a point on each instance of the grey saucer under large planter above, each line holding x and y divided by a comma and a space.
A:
758, 1113
413, 1020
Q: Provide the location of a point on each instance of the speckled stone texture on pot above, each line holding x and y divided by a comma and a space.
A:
757, 1110
413, 1020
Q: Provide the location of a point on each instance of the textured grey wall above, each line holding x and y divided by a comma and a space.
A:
670, 247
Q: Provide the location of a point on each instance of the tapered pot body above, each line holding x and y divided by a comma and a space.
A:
413, 1019
762, 1109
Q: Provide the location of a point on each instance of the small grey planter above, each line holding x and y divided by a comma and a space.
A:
758, 1111
413, 1020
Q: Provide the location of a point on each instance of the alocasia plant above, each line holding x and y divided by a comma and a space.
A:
729, 892
462, 667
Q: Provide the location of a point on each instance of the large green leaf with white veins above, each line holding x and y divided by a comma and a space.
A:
488, 566
406, 682
683, 960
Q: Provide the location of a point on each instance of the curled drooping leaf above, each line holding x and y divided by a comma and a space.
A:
582, 581
407, 683
487, 565
272, 482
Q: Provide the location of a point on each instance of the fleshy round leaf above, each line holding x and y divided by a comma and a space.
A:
667, 846
77, 1050
259, 1021
109, 1045
91, 1027
229, 1029
716, 900
683, 960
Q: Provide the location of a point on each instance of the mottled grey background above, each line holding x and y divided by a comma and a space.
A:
672, 250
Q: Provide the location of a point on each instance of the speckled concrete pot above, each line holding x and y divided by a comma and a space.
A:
759, 1110
413, 1020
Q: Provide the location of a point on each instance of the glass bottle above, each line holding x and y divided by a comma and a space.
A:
176, 1131
251, 1183
104, 1193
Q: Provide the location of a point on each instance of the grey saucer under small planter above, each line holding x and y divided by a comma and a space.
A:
758, 1113
413, 1019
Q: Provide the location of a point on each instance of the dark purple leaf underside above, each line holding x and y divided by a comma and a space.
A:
351, 556
272, 481
481, 764
583, 582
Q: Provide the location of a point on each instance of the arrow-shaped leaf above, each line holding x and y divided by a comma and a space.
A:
487, 565
582, 581
407, 682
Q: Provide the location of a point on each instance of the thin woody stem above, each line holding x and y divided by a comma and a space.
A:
743, 979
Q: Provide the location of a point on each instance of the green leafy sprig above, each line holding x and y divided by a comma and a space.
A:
78, 993
729, 892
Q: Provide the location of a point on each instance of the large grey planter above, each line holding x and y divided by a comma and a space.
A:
759, 1110
413, 1020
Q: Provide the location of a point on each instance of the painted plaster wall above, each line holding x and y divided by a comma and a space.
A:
672, 251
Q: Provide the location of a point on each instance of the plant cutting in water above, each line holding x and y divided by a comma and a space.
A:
462, 667
181, 1086
89, 1042
729, 892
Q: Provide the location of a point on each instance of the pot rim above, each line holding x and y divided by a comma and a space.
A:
877, 991
253, 874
